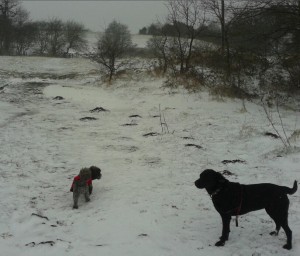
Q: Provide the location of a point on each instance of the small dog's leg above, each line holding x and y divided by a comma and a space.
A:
225, 230
87, 196
75, 199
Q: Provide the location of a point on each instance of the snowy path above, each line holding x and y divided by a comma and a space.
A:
146, 203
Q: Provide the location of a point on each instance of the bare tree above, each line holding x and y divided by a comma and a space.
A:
24, 33
227, 14
186, 17
217, 8
9, 9
112, 45
42, 37
158, 45
56, 38
24, 38
74, 36
55, 30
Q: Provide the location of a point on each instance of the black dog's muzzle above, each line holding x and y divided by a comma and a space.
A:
199, 184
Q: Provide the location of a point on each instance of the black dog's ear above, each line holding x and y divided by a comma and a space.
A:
220, 178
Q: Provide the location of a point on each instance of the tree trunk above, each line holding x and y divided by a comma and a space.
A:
223, 26
228, 60
111, 72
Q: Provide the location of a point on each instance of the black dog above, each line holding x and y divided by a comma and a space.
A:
233, 199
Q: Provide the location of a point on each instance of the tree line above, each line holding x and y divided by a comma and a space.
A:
224, 42
243, 38
20, 36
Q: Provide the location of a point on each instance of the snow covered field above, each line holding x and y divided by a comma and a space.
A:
146, 202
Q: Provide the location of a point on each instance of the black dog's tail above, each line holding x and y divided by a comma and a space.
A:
292, 190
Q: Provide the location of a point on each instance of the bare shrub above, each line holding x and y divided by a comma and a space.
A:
281, 134
230, 92
247, 131
192, 81
112, 45
295, 136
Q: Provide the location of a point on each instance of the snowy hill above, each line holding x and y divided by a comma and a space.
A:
146, 202
139, 41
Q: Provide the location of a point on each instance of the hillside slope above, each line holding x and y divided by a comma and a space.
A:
146, 203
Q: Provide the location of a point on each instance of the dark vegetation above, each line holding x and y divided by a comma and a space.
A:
242, 43
20, 36
236, 48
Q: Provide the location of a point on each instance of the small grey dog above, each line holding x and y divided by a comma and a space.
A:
80, 186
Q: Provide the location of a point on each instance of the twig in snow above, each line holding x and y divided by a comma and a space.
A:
275, 136
233, 161
32, 244
150, 134
99, 109
193, 145
163, 123
132, 116
143, 235
43, 217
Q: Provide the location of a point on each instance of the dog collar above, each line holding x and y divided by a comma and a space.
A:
215, 192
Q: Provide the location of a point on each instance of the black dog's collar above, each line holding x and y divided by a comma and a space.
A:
215, 192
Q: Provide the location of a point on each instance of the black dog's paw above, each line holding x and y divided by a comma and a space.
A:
223, 238
75, 207
287, 246
274, 233
220, 243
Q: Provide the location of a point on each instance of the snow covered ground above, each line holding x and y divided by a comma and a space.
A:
146, 202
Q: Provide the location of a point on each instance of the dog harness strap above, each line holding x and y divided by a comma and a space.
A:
89, 182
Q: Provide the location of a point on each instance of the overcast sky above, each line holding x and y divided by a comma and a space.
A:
96, 15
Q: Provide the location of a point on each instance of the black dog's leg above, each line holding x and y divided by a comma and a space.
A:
225, 230
279, 213
288, 232
273, 214
284, 223
275, 233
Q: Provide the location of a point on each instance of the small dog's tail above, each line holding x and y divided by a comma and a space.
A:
293, 189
